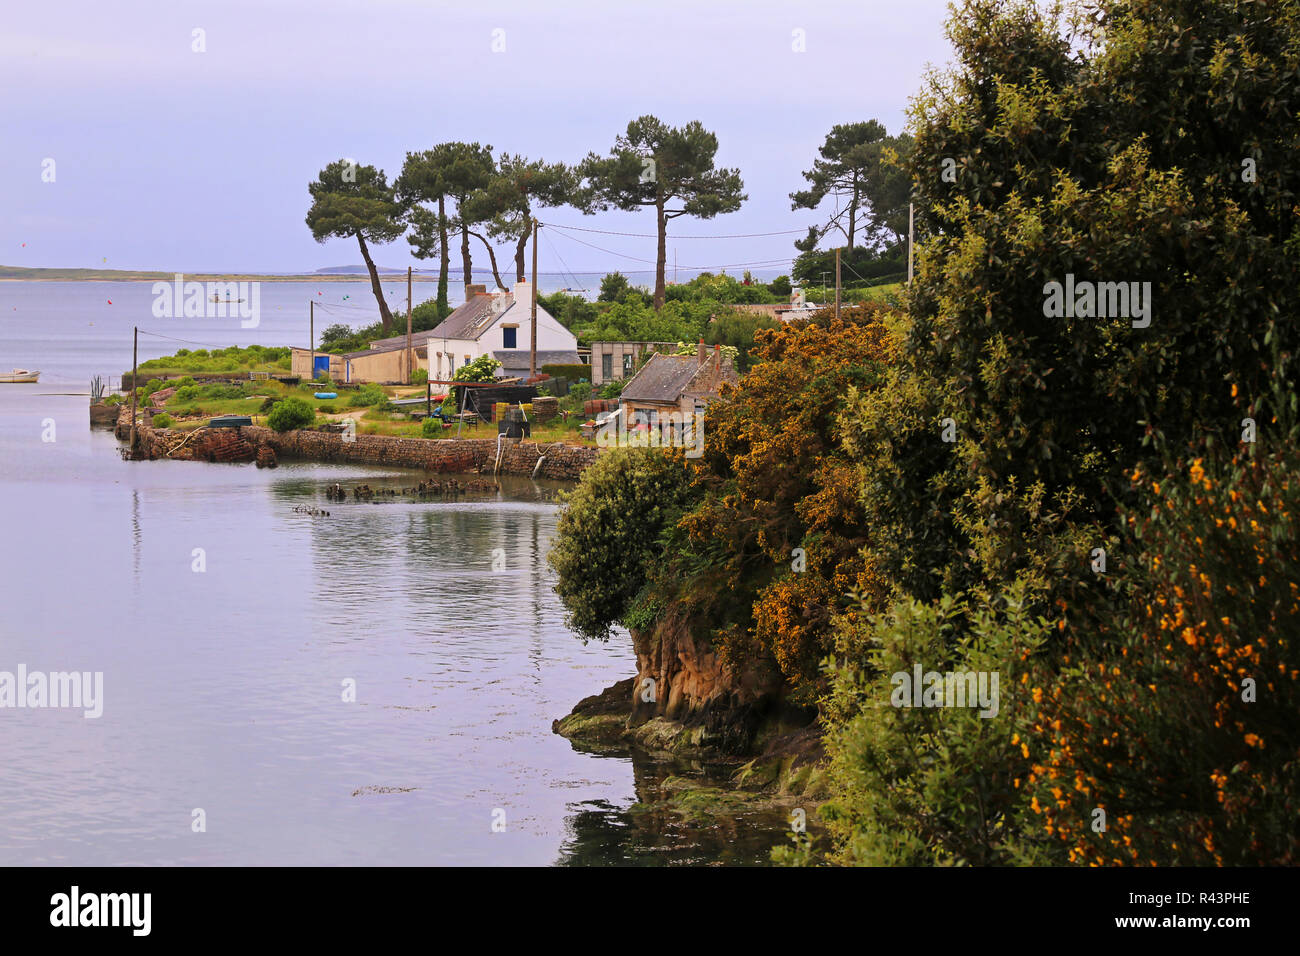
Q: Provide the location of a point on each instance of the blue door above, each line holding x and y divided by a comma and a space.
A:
321, 364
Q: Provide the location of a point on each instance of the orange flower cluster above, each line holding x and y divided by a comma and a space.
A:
1183, 731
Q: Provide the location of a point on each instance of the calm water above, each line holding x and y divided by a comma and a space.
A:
223, 688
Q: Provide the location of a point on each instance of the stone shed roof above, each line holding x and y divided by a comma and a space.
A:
666, 378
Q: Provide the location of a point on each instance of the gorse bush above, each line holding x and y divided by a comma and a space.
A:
291, 413
611, 532
1181, 725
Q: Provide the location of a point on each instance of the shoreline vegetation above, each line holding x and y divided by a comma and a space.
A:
1102, 514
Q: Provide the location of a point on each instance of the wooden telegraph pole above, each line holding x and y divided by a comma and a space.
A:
135, 373
837, 282
410, 359
532, 322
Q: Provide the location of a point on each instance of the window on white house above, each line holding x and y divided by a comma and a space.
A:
509, 340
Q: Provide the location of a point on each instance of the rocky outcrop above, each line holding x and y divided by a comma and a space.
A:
682, 683
685, 701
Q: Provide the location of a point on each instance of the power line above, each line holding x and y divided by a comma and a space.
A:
726, 265
653, 235
550, 245
206, 345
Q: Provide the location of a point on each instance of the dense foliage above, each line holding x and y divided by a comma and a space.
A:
291, 413
1097, 507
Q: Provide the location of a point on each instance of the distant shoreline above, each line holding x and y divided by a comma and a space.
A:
94, 275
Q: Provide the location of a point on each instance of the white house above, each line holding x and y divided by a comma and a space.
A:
485, 324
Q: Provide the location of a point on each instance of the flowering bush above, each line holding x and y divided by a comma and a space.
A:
1181, 725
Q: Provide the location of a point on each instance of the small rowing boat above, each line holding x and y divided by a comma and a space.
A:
19, 375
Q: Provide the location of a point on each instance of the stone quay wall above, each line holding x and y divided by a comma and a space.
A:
445, 455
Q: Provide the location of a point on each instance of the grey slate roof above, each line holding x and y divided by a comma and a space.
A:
472, 319
399, 341
662, 379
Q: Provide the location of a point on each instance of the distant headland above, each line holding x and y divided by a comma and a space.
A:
330, 274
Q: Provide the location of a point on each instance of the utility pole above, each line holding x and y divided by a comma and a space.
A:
409, 357
311, 349
837, 282
135, 373
532, 322
909, 243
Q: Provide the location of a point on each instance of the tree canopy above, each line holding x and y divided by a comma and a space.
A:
354, 201
671, 169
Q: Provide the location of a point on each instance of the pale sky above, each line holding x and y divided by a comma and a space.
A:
169, 159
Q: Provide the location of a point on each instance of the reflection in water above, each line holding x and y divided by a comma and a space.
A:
655, 832
222, 689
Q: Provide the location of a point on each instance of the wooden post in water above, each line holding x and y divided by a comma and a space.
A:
410, 359
532, 322
135, 357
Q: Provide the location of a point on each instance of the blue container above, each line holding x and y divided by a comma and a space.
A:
327, 394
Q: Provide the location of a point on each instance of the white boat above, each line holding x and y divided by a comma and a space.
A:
19, 375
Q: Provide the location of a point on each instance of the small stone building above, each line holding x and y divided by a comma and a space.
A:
681, 384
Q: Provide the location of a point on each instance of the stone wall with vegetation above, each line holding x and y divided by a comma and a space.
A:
448, 456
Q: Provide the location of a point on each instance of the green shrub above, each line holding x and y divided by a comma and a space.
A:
580, 391
419, 376
291, 413
572, 372
162, 420
920, 786
368, 395
220, 392
610, 532
267, 404
325, 408
186, 393
482, 369
431, 428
